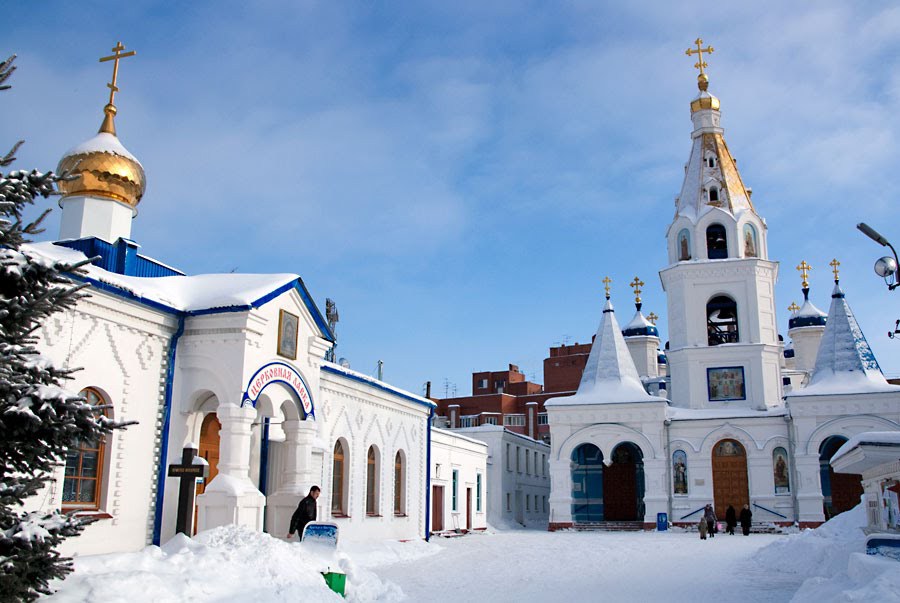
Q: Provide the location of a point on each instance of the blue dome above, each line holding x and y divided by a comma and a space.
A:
789, 352
661, 358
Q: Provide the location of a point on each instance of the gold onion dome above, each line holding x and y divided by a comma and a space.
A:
103, 166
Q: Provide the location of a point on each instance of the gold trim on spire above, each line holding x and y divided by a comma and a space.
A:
804, 269
109, 125
636, 284
606, 281
834, 268
793, 307
702, 79
652, 317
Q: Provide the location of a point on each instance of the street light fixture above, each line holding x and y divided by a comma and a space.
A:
885, 267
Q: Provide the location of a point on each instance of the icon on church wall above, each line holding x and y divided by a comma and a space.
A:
726, 383
684, 245
287, 334
679, 472
750, 244
780, 471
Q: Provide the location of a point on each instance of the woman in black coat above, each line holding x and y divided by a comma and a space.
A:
730, 519
746, 516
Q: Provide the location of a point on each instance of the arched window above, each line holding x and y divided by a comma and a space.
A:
780, 471
716, 242
338, 494
711, 161
372, 482
83, 483
751, 247
684, 245
721, 320
713, 194
679, 472
399, 482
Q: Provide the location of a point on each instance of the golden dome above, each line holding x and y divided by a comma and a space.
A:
105, 169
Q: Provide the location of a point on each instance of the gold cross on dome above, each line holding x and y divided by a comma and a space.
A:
804, 269
636, 284
115, 58
701, 64
606, 281
652, 317
793, 307
834, 268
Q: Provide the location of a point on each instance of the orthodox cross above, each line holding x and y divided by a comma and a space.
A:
793, 307
652, 317
115, 58
636, 284
834, 268
606, 281
804, 269
188, 472
701, 64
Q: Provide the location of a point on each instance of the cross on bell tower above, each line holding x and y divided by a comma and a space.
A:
108, 124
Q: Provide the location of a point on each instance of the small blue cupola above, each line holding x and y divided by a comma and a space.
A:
639, 325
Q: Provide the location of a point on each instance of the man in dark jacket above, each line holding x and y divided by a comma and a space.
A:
730, 519
710, 515
305, 513
746, 516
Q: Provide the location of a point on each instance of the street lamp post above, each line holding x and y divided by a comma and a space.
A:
885, 267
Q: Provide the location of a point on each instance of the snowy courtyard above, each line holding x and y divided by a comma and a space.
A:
235, 564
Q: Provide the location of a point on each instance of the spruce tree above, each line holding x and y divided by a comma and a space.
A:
39, 419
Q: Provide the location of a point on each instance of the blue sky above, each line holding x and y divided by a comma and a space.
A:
459, 177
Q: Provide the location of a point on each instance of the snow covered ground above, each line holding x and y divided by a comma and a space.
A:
232, 564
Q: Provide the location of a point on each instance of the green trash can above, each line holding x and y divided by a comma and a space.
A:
336, 581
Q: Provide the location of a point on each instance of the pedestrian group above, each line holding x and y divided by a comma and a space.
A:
709, 523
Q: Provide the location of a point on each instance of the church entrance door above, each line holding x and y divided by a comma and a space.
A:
840, 491
622, 499
729, 468
209, 450
437, 508
587, 484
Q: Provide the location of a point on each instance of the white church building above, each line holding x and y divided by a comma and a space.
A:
733, 417
233, 365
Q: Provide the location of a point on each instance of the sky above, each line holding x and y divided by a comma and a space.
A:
459, 177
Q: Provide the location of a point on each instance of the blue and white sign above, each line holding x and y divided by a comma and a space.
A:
279, 372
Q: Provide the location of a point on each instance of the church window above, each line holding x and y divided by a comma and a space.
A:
454, 504
528, 502
478, 492
679, 472
751, 247
527, 463
780, 471
508, 501
713, 194
83, 481
372, 482
711, 161
338, 493
399, 482
716, 242
508, 457
684, 245
721, 320
518, 460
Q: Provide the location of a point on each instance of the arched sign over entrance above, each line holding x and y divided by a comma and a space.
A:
279, 372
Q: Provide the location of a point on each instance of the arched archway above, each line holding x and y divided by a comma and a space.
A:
840, 491
587, 484
729, 469
209, 450
623, 484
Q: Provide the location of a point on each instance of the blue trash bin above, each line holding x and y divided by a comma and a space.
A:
662, 522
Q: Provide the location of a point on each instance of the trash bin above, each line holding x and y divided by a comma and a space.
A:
662, 522
336, 581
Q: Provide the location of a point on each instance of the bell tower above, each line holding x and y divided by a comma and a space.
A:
723, 339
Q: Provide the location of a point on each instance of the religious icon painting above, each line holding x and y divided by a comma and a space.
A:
684, 245
726, 383
751, 246
287, 334
780, 471
679, 472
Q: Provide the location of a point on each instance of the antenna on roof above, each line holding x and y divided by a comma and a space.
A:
331, 315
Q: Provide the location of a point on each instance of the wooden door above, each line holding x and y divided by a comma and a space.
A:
209, 450
846, 489
469, 509
619, 492
729, 468
437, 509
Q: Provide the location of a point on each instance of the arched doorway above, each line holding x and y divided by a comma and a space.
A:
623, 484
729, 469
209, 450
840, 491
587, 484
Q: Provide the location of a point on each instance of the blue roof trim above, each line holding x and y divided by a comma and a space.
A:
378, 385
807, 321
120, 257
647, 331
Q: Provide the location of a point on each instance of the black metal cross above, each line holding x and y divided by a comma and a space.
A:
188, 473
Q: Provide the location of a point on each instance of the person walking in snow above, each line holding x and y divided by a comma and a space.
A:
710, 516
746, 516
730, 519
701, 525
305, 513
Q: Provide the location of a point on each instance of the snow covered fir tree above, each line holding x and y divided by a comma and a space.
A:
40, 421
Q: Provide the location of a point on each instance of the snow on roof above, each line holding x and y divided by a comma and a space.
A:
183, 293
845, 363
696, 414
610, 375
101, 143
639, 325
876, 438
498, 429
452, 433
809, 309
362, 377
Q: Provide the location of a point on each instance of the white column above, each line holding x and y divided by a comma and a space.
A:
231, 498
297, 476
